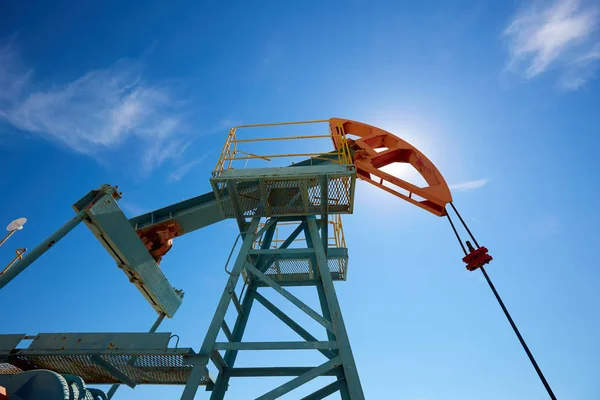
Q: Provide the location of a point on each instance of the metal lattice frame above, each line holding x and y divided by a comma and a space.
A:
339, 359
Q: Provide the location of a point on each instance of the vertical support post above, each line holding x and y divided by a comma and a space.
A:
345, 352
222, 382
207, 346
343, 387
325, 212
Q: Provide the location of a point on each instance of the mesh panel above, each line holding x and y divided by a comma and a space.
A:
8, 369
337, 267
296, 270
147, 369
290, 196
339, 194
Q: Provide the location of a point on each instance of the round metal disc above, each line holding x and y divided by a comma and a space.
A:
16, 224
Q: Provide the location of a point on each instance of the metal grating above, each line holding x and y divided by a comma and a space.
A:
298, 270
146, 369
9, 369
267, 197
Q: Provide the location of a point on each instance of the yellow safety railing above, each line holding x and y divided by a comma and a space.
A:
231, 152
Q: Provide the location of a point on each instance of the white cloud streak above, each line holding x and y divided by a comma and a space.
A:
102, 112
561, 35
471, 185
184, 169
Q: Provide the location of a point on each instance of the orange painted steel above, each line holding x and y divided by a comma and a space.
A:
369, 162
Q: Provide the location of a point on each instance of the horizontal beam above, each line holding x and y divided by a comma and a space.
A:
303, 333
273, 371
275, 345
300, 282
301, 380
300, 253
190, 215
183, 351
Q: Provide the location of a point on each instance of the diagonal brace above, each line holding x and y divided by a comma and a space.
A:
304, 334
301, 380
293, 299
114, 371
326, 391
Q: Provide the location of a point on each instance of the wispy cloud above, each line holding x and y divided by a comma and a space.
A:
105, 110
132, 209
471, 185
545, 225
184, 169
560, 35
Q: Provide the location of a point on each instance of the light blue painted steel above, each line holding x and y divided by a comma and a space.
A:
222, 381
227, 331
216, 358
101, 342
113, 389
40, 249
240, 213
293, 299
307, 345
303, 333
335, 253
263, 263
114, 231
326, 390
350, 371
331, 349
324, 181
344, 392
301, 380
9, 342
190, 215
284, 191
289, 254
274, 371
114, 371
285, 172
199, 370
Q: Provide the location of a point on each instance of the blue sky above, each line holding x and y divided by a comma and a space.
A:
502, 96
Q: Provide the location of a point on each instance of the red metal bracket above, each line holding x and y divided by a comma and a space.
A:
158, 239
477, 258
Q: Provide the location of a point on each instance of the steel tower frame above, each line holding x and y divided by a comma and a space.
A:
253, 263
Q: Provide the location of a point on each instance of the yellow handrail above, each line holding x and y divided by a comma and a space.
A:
231, 153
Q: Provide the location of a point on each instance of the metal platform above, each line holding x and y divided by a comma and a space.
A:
298, 270
100, 358
272, 192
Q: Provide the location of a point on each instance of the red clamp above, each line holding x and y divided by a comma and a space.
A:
477, 258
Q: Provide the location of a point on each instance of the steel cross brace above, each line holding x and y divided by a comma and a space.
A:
336, 350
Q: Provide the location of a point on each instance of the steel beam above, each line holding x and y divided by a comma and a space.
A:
275, 345
303, 333
207, 346
293, 299
345, 352
113, 389
273, 371
326, 391
301, 380
114, 371
40, 249
222, 381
